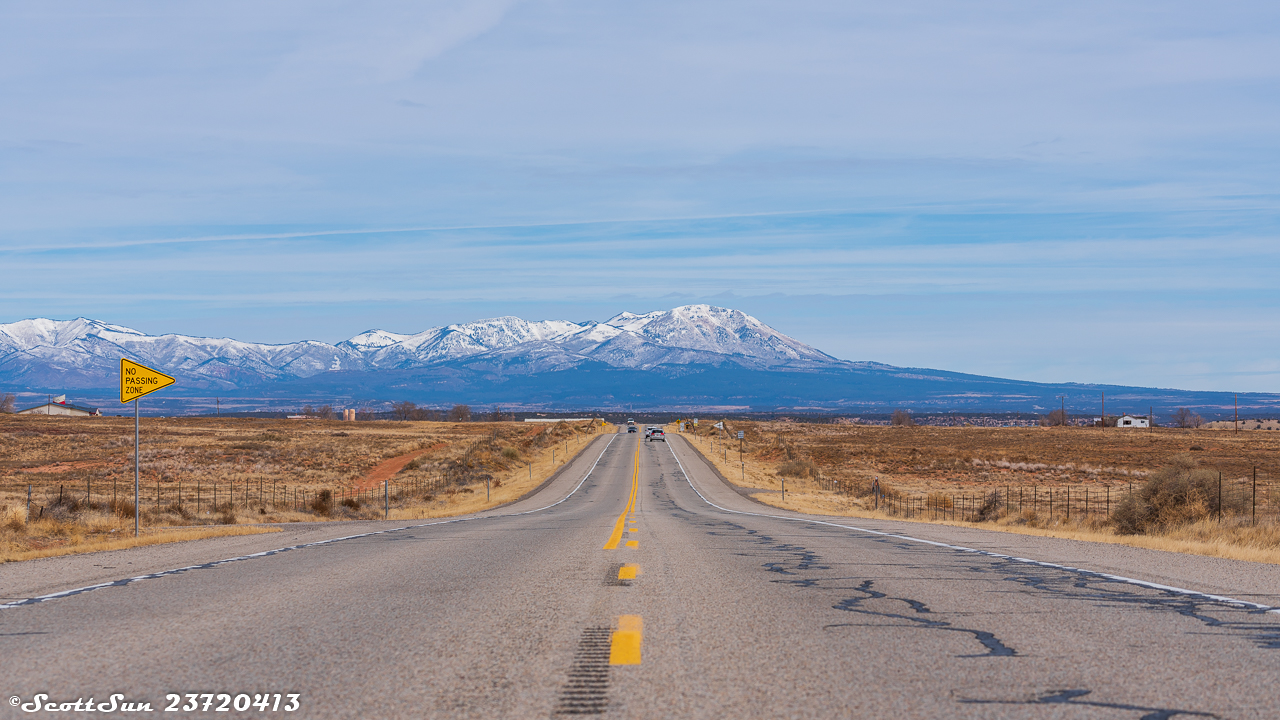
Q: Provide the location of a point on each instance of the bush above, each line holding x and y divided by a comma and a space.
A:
901, 418
323, 503
15, 524
992, 504
1179, 493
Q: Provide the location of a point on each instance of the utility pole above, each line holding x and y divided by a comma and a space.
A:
1236, 400
1104, 409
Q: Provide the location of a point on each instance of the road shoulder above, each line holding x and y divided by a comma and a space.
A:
1253, 582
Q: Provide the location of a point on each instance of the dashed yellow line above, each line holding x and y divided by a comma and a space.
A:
625, 648
628, 513
628, 571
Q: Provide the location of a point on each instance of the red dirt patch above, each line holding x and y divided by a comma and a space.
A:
388, 468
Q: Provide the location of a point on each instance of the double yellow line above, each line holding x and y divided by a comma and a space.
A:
629, 511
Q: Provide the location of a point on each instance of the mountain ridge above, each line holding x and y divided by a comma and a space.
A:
84, 351
689, 356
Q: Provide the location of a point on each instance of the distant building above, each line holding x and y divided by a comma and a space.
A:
54, 408
1132, 421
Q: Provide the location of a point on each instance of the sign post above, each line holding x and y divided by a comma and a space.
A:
135, 381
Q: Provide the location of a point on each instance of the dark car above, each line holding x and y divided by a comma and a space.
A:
656, 434
631, 428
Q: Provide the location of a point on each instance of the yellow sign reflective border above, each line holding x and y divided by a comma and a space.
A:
138, 380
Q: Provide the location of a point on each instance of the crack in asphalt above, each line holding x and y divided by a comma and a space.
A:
799, 559
1254, 624
1073, 698
995, 648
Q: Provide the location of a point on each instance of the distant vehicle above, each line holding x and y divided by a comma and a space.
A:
631, 428
630, 421
656, 434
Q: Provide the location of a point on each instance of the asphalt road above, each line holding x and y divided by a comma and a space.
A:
736, 610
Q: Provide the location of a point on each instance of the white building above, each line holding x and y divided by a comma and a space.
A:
1131, 421
54, 408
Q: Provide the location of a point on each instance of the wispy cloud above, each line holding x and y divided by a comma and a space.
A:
298, 166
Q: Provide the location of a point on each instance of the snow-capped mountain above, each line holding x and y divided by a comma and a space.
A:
696, 356
86, 353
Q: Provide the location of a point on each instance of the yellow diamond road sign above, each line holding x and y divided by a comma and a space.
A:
138, 380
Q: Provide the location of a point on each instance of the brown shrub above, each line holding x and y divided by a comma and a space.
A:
1179, 493
323, 503
992, 504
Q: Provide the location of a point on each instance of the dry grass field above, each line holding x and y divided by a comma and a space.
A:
1065, 481
198, 472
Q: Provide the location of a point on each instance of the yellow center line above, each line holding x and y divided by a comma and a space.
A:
628, 571
625, 648
629, 510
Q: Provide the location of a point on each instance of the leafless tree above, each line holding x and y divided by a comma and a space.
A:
9, 403
495, 415
1184, 418
1055, 418
460, 413
902, 418
404, 410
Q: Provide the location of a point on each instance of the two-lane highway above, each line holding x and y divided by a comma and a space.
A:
639, 585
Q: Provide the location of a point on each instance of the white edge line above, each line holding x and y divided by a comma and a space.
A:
988, 553
265, 553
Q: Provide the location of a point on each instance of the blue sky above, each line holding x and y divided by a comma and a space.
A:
1085, 192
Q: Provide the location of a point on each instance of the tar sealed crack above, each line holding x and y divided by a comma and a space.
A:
1253, 624
919, 615
1079, 698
